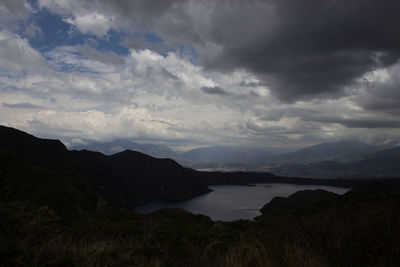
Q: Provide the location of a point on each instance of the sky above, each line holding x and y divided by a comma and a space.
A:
192, 73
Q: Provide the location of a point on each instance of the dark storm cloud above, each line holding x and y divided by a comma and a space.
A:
300, 48
216, 90
383, 96
385, 105
334, 117
318, 47
370, 123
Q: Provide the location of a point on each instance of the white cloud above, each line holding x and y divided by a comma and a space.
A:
94, 23
17, 55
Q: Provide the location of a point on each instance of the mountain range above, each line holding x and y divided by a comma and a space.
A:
383, 163
336, 151
129, 177
119, 145
126, 178
325, 160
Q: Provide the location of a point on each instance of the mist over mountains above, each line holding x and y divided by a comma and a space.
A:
384, 163
325, 160
338, 151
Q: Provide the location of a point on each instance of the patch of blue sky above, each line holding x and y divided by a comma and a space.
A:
151, 37
152, 41
112, 42
9, 88
67, 67
189, 52
33, 3
67, 60
13, 74
56, 32
61, 66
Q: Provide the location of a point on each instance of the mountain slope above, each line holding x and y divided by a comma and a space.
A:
384, 163
338, 151
300, 199
133, 177
64, 192
127, 178
45, 151
226, 154
119, 145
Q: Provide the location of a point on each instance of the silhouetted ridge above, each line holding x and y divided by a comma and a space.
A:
374, 188
126, 178
119, 145
300, 199
39, 150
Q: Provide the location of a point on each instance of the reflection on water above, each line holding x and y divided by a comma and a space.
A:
234, 202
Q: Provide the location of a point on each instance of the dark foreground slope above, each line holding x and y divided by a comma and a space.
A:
49, 217
300, 199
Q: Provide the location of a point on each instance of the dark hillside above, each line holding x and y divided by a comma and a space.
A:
43, 151
300, 199
126, 178
65, 192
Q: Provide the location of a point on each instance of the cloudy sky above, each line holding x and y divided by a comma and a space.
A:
190, 73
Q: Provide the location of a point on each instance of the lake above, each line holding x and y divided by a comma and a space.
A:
234, 202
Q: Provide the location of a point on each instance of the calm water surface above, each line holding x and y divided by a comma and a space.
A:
234, 202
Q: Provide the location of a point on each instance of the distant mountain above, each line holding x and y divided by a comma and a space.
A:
213, 158
230, 154
277, 160
384, 163
326, 160
338, 151
129, 177
119, 145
